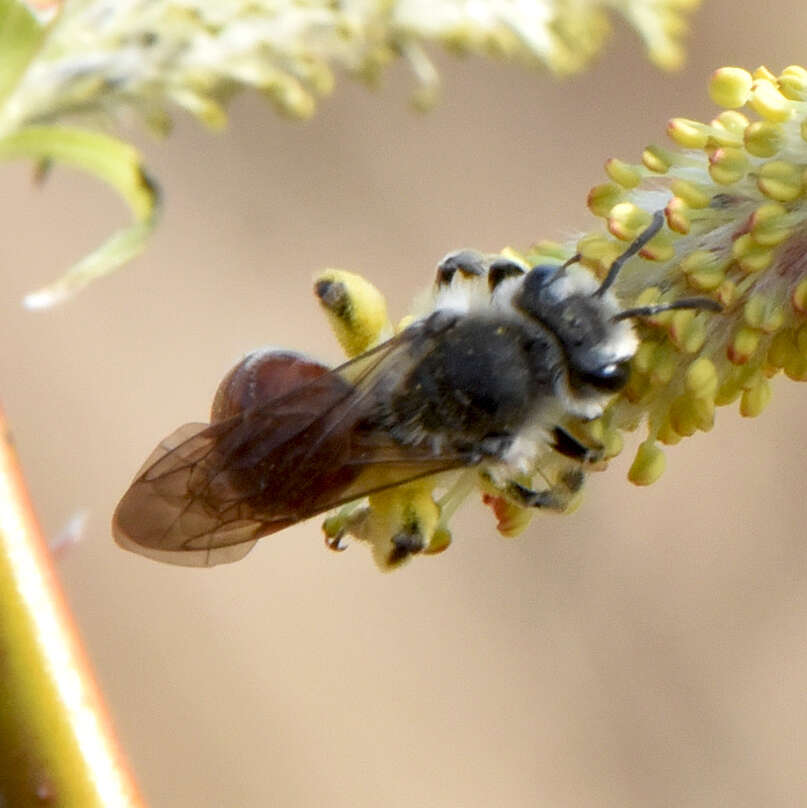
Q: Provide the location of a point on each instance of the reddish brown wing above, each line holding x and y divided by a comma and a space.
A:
208, 493
155, 516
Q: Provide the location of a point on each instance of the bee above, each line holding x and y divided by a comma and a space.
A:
485, 379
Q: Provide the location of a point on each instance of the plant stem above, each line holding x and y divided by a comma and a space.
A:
57, 744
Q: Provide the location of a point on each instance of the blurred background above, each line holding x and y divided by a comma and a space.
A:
648, 650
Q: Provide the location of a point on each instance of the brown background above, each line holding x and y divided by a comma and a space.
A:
648, 650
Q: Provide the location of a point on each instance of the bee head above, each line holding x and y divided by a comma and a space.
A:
596, 345
592, 329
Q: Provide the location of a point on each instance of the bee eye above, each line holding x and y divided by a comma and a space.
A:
541, 273
533, 290
611, 377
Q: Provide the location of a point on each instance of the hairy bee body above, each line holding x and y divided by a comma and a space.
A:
485, 377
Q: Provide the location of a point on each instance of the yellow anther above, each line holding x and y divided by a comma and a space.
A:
626, 221
648, 465
664, 365
687, 331
637, 387
780, 180
693, 195
682, 416
763, 138
742, 245
701, 378
657, 160
728, 391
612, 443
677, 213
764, 74
754, 310
705, 271
768, 102
733, 123
706, 280
755, 399
622, 173
540, 252
730, 87
799, 298
801, 339
592, 432
796, 367
745, 246
645, 357
687, 133
727, 165
750, 256
769, 225
659, 248
743, 346
703, 413
763, 313
755, 261
667, 434
439, 541
598, 250
726, 293
793, 83
782, 349
511, 518
737, 379
648, 296
601, 198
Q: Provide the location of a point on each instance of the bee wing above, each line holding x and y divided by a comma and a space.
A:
156, 515
208, 492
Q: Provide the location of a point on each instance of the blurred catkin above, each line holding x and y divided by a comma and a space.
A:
85, 62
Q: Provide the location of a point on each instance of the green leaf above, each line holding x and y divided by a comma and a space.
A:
113, 161
21, 34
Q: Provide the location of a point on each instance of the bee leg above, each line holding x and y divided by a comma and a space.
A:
573, 480
490, 447
355, 309
566, 444
405, 543
469, 263
334, 542
528, 498
501, 269
555, 498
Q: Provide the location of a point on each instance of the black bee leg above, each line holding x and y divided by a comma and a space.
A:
556, 498
566, 444
573, 480
469, 263
528, 498
404, 544
334, 542
501, 269
333, 294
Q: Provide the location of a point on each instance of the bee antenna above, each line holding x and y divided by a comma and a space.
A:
635, 246
573, 260
700, 303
